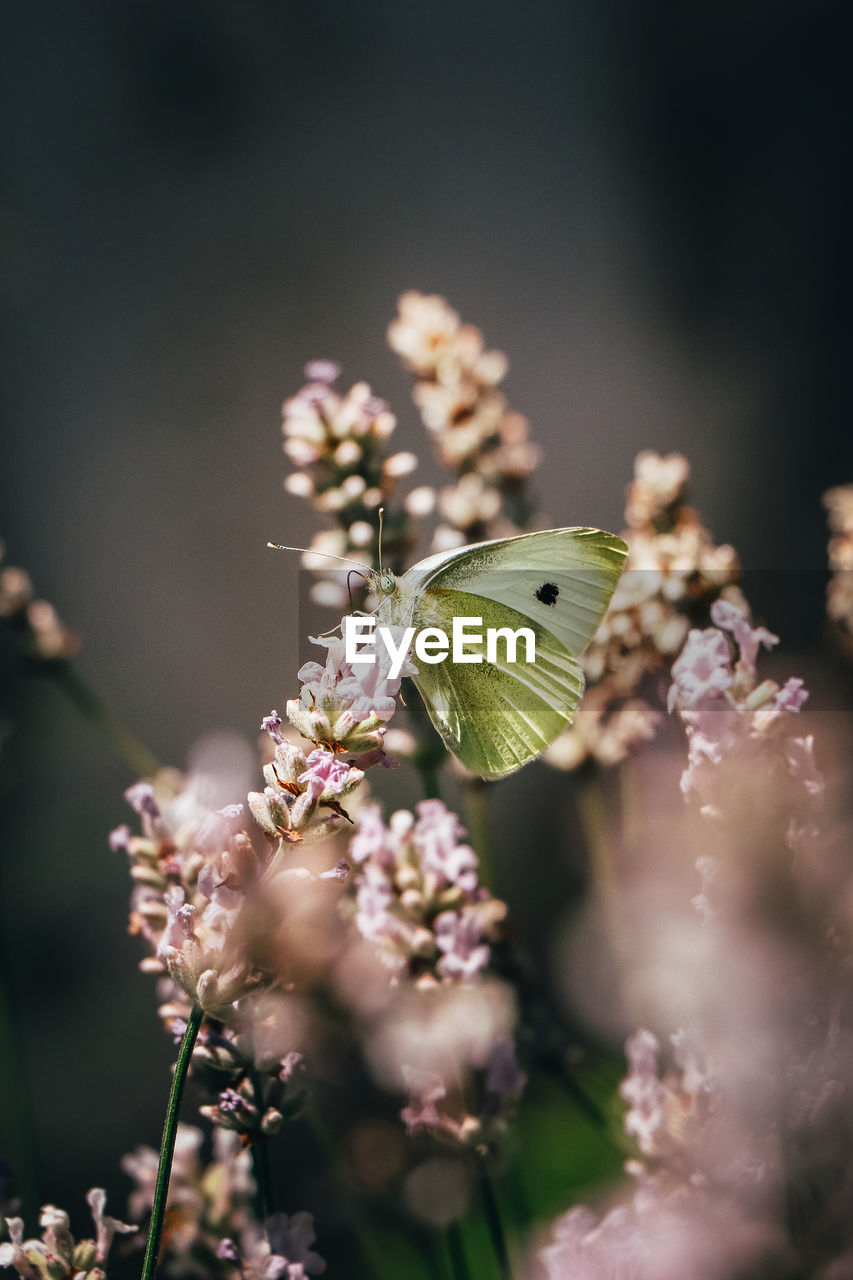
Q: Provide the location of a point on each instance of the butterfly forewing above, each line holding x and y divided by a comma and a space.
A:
496, 716
561, 579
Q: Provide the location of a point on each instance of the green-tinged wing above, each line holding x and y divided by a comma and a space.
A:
579, 568
498, 716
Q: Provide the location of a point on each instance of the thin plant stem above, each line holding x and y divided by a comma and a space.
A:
516, 1191
167, 1146
429, 777
361, 1234
602, 841
476, 812
494, 1223
456, 1251
491, 1208
124, 743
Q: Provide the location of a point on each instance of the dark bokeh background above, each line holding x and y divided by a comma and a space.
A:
645, 205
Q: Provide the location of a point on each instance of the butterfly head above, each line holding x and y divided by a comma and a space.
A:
386, 584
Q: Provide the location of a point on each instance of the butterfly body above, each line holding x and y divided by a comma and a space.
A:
498, 715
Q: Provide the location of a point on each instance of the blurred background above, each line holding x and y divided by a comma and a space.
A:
645, 205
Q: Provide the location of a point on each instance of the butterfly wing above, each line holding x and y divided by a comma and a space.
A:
582, 566
498, 716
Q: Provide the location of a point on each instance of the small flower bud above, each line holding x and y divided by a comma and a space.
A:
85, 1255
299, 484
422, 943
348, 453
271, 1121
148, 876
412, 902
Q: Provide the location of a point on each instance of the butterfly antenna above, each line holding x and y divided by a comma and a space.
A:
381, 514
361, 574
277, 546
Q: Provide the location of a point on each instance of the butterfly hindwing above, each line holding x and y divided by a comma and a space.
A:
495, 716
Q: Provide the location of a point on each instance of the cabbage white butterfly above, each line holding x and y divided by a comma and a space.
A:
496, 716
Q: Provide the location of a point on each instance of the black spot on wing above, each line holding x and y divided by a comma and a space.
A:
547, 593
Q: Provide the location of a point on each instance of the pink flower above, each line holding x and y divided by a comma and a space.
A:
325, 772
458, 936
373, 839
726, 615
425, 1090
642, 1089
436, 836
801, 762
702, 671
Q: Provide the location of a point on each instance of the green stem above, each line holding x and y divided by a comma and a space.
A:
493, 1219
167, 1146
456, 1252
476, 812
592, 807
371, 1257
429, 777
125, 744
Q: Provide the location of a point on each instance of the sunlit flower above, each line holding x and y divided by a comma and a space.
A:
839, 593
476, 435
725, 710
338, 443
674, 572
57, 1255
417, 894
34, 621
205, 1201
284, 1250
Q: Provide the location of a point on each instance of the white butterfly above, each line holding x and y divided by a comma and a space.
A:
497, 716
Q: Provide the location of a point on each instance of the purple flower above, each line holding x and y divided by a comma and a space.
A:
642, 1089
105, 1226
344, 705
185, 917
284, 1252
230, 812
801, 763
425, 1090
373, 839
325, 772
291, 1237
228, 1252
271, 724
178, 1028
290, 1064
340, 872
730, 618
792, 695
327, 371
119, 837
436, 837
373, 406
504, 1077
458, 935
373, 899
12, 1253
230, 1101
702, 672
140, 797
